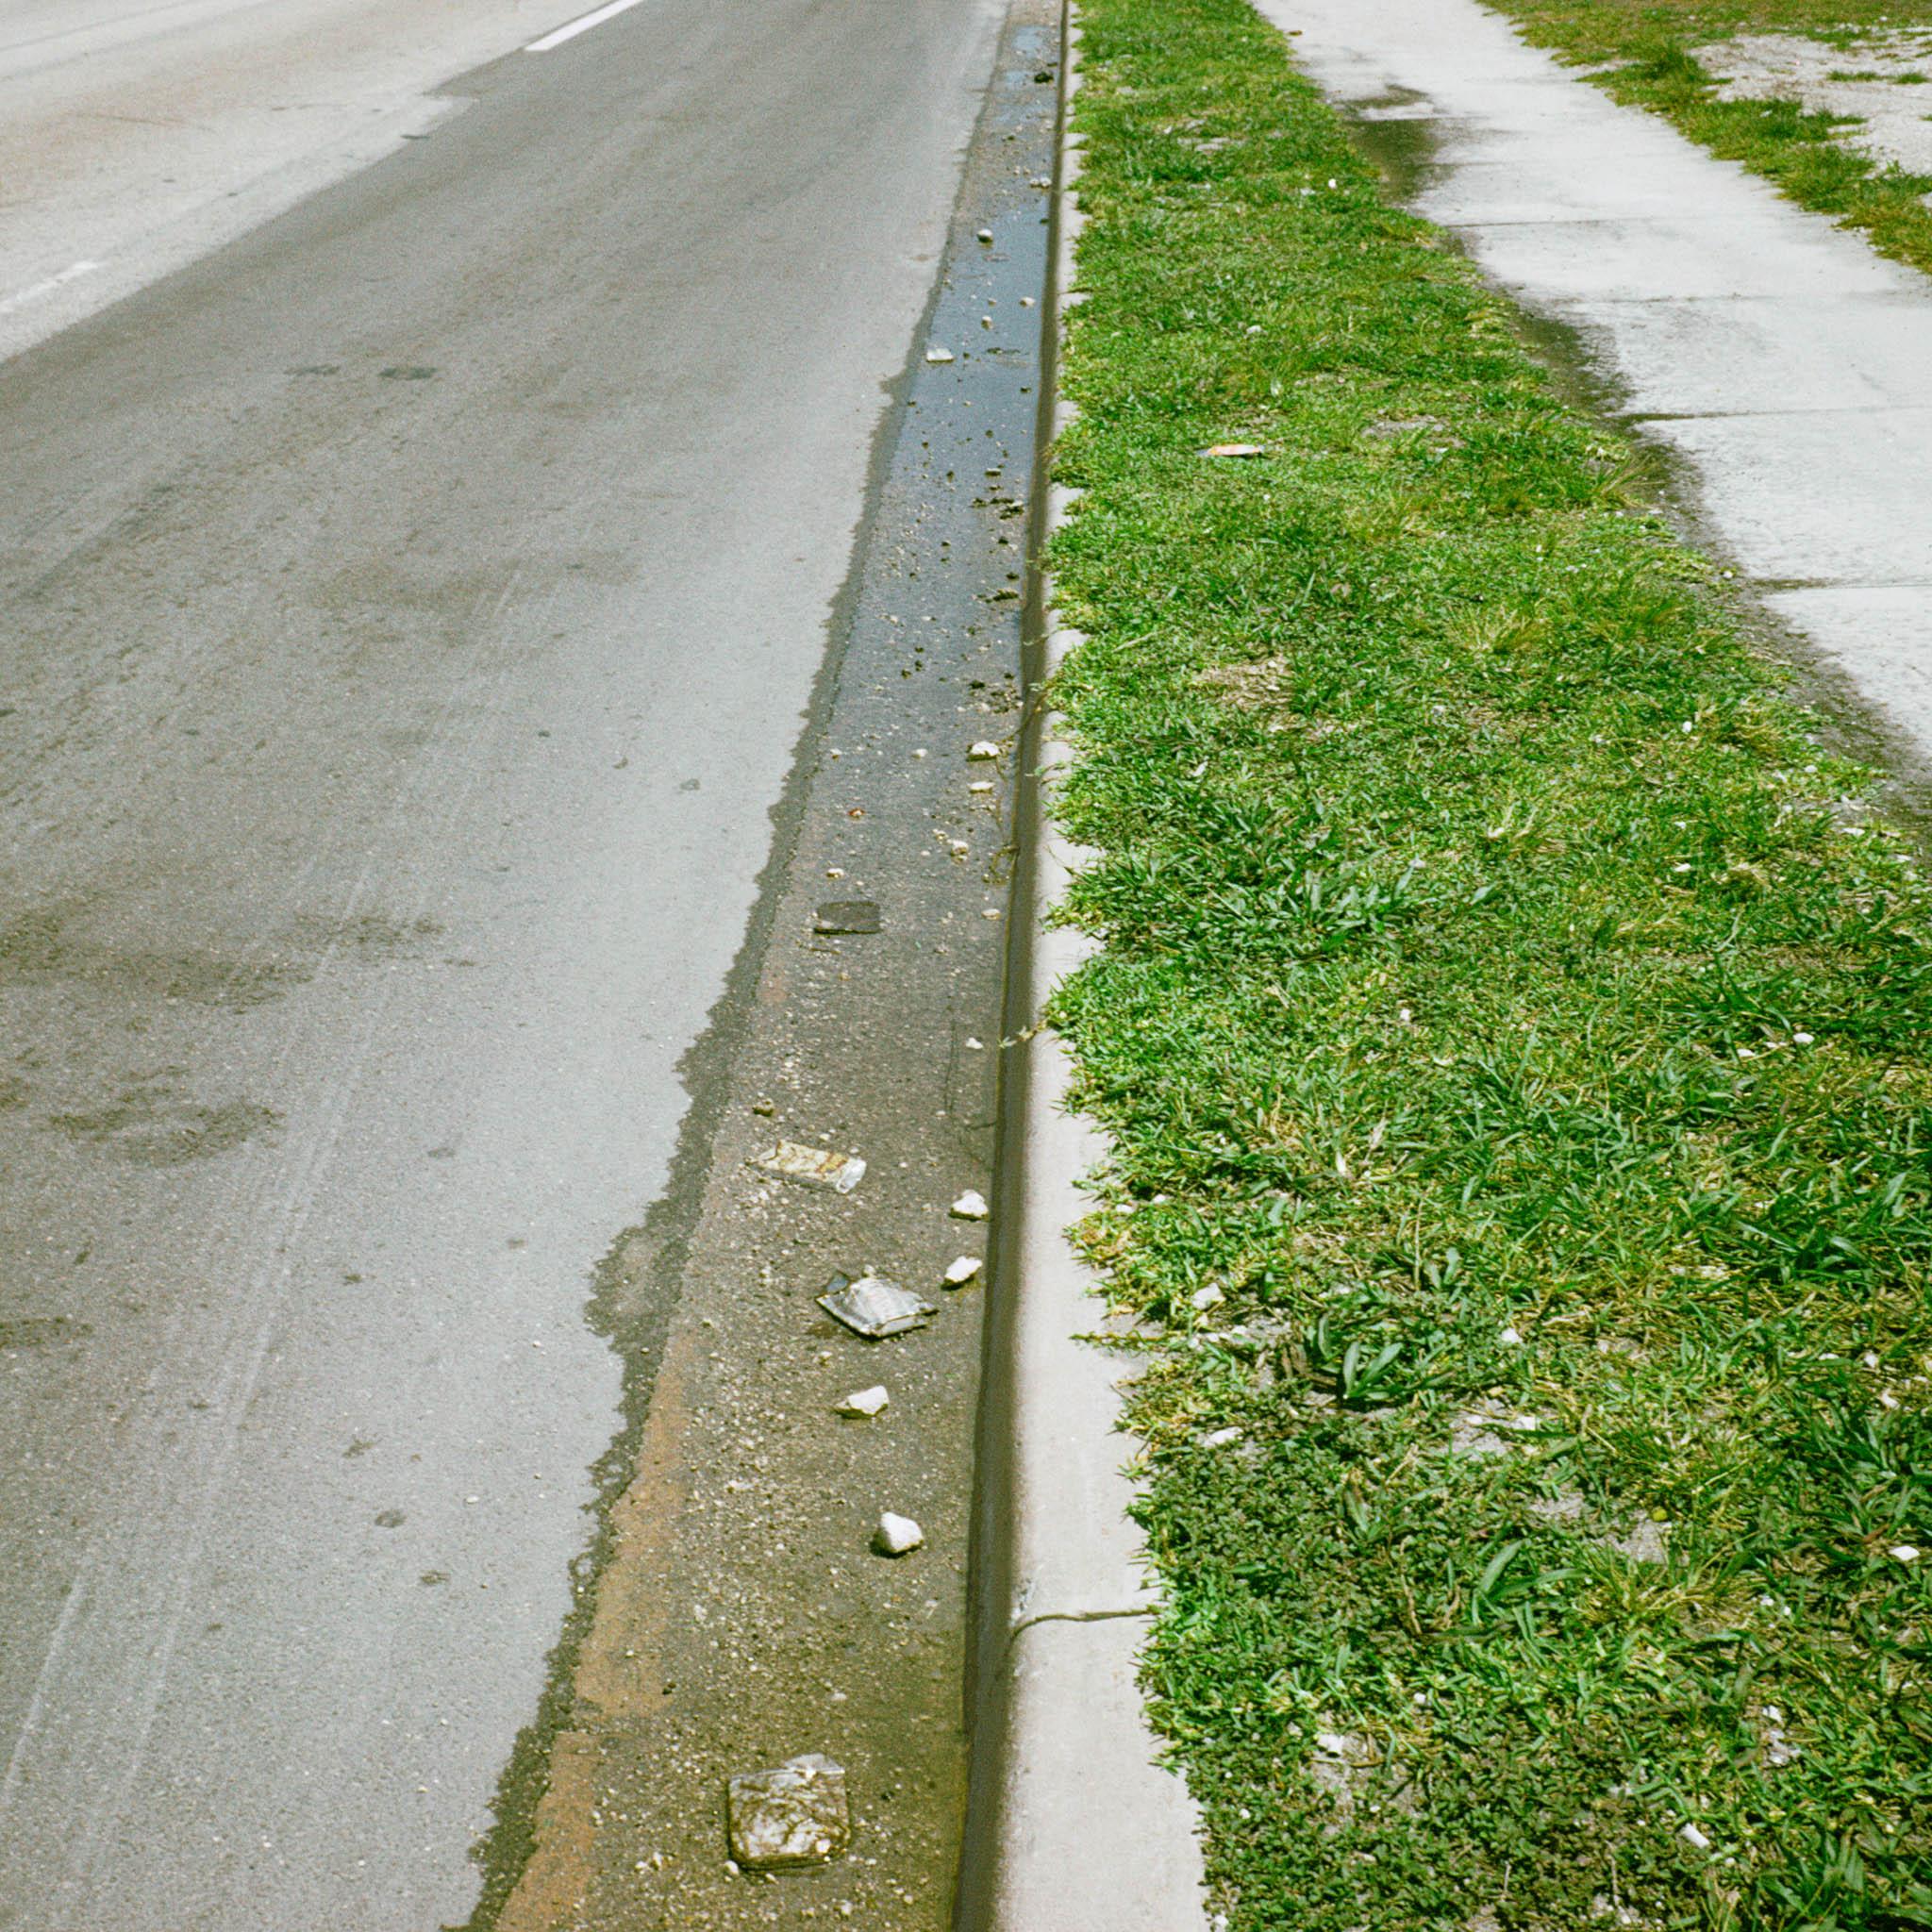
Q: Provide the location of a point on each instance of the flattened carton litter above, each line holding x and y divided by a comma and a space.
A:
794, 1814
874, 1306
813, 1167
848, 915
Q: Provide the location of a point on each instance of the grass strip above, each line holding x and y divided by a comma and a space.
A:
1645, 49
1512, 1026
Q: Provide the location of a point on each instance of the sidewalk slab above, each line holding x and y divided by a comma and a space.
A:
1793, 508
1793, 363
1890, 629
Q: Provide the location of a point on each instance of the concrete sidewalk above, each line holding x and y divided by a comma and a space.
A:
1785, 363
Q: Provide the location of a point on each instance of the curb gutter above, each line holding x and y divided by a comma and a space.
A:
1072, 1825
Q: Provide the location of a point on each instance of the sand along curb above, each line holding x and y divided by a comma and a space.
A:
1072, 1827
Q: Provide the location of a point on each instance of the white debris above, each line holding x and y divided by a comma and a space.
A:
937, 355
863, 1401
1220, 1438
970, 1206
1209, 1297
1695, 1839
983, 748
1509, 1339
874, 1307
794, 1815
959, 1271
980, 785
813, 1167
1902, 1553
896, 1535
986, 235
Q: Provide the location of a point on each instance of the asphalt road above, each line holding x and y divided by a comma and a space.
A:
408, 616
136, 135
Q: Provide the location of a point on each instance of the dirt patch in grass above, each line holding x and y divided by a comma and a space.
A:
1516, 1054
1876, 103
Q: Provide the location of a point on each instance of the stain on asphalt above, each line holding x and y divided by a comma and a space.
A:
41, 1331
148, 1124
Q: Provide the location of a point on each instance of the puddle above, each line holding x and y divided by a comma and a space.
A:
1393, 129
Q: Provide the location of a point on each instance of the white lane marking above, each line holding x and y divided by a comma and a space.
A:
48, 288
571, 29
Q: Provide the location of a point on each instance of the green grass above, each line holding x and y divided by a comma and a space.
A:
1517, 1020
1649, 48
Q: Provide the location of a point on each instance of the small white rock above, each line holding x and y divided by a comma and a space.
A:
939, 355
864, 1401
983, 748
1220, 1438
980, 785
970, 1206
960, 1272
1509, 1339
896, 1535
1695, 1839
986, 235
1207, 1297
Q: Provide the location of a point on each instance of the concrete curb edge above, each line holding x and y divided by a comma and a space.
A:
1072, 1826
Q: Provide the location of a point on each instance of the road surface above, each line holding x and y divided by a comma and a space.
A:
409, 612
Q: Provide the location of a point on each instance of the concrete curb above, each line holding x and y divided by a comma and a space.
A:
1072, 1826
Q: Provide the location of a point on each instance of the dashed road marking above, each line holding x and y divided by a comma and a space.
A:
571, 29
